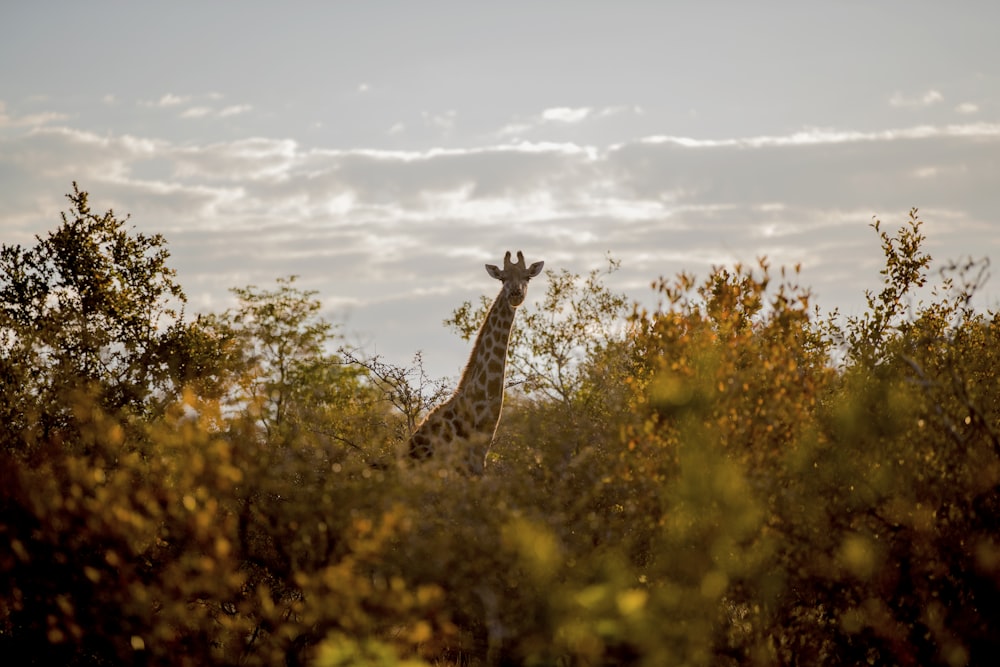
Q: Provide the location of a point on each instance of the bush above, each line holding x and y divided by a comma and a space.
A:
731, 478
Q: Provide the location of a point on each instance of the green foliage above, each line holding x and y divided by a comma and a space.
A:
578, 321
288, 382
905, 270
727, 479
407, 391
92, 309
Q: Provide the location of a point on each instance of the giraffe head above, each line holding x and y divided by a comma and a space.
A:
515, 277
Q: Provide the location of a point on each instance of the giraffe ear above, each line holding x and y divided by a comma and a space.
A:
494, 271
535, 269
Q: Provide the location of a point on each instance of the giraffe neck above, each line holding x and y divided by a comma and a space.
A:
465, 424
482, 383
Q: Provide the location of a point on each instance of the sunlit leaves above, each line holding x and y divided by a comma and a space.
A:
93, 308
556, 345
729, 478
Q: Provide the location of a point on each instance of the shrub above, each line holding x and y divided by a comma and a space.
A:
730, 478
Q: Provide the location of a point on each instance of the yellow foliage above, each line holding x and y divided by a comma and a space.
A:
734, 480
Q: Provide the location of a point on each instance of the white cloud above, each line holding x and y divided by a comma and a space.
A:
616, 110
195, 106
196, 112
28, 120
515, 129
444, 121
361, 224
225, 112
820, 136
562, 116
579, 114
967, 108
169, 100
244, 160
927, 99
234, 110
566, 114
641, 180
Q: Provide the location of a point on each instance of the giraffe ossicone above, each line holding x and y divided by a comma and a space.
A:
460, 431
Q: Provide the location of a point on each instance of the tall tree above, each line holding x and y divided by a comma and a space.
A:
93, 310
290, 383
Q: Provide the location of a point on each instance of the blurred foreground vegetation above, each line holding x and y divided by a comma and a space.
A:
729, 479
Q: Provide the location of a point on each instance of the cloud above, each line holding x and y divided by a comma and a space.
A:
195, 108
166, 101
821, 136
368, 226
967, 108
562, 116
171, 100
224, 112
196, 112
234, 110
28, 120
444, 121
566, 114
515, 128
652, 178
926, 99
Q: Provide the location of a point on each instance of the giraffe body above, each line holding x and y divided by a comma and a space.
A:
461, 429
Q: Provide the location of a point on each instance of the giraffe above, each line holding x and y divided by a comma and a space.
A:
461, 430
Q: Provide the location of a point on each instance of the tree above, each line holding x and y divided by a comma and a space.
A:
408, 390
729, 479
93, 309
289, 382
796, 510
97, 368
577, 322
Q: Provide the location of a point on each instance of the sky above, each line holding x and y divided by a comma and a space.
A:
385, 151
